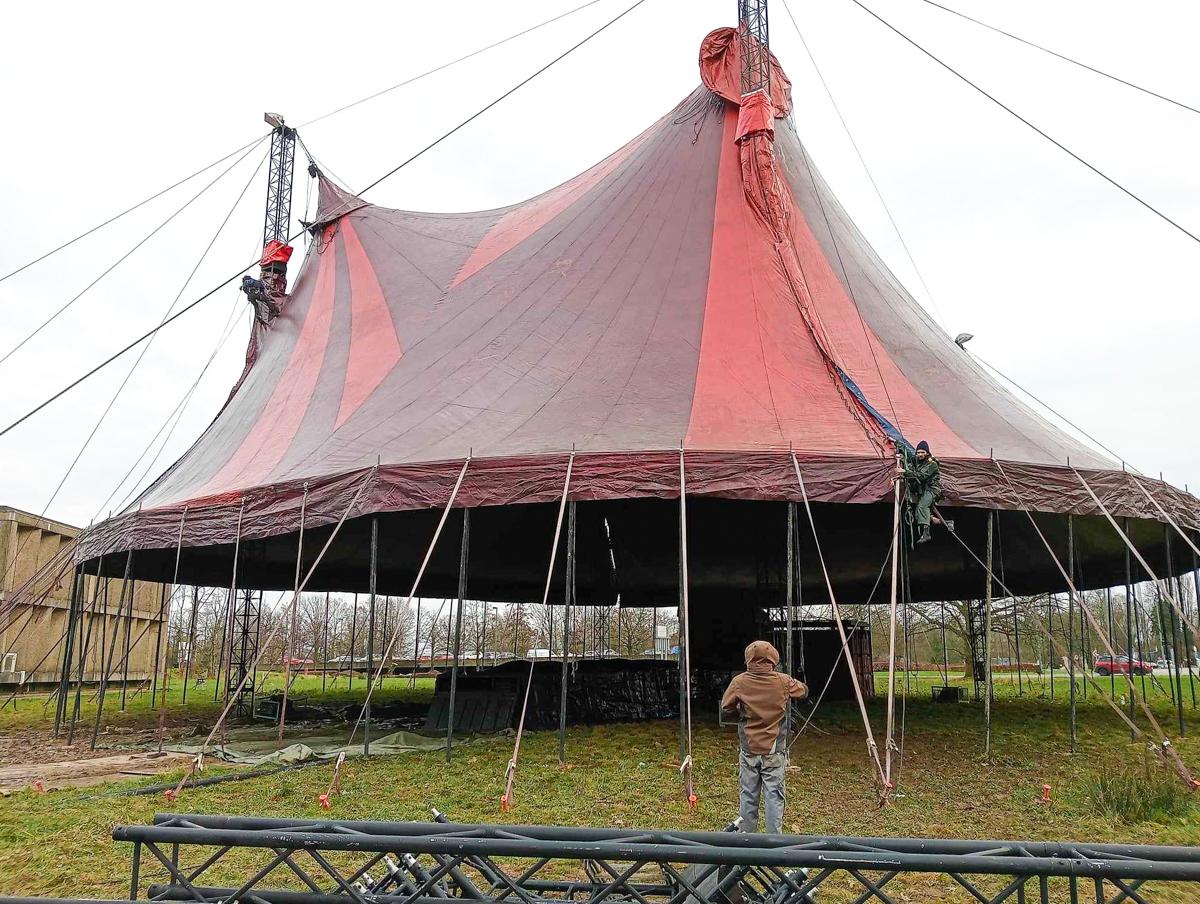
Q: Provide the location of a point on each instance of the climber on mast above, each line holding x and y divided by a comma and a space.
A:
266, 293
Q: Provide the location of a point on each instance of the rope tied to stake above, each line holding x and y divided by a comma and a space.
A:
510, 773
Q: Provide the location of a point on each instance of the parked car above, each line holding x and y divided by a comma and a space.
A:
1122, 665
537, 653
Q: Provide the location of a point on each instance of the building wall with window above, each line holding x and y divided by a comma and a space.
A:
35, 608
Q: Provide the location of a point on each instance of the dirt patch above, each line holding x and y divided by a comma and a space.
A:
91, 771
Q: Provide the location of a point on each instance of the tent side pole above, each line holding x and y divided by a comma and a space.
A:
1128, 618
569, 599
987, 641
73, 605
104, 675
371, 635
325, 643
290, 646
128, 632
1176, 652
462, 592
790, 601
1071, 631
191, 647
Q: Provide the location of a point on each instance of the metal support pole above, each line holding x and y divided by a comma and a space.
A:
191, 648
987, 641
1176, 652
371, 635
1071, 628
1112, 677
73, 606
1129, 622
412, 678
86, 648
568, 601
789, 653
111, 650
290, 646
158, 651
1189, 641
1051, 605
325, 644
230, 608
891, 675
353, 641
128, 632
463, 556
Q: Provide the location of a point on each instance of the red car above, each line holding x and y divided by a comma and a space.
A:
1122, 665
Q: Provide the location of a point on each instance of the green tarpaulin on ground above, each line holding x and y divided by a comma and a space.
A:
254, 746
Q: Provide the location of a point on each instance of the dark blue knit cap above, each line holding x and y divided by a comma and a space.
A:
922, 445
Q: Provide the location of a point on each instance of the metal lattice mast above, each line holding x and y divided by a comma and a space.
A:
279, 182
754, 46
244, 652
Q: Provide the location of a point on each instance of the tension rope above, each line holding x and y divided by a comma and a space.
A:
377, 674
1163, 588
510, 772
1010, 111
872, 747
362, 100
142, 241
198, 763
1164, 745
829, 678
333, 214
1063, 57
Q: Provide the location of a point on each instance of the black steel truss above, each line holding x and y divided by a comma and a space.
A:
754, 46
243, 653
300, 861
279, 185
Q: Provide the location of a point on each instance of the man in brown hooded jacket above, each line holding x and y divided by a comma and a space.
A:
760, 697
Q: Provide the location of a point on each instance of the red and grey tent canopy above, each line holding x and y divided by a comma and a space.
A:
699, 289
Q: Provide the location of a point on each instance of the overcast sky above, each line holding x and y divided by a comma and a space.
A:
1070, 287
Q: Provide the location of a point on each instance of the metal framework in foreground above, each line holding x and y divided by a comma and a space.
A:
295, 861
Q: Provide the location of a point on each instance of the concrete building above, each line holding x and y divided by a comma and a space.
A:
32, 628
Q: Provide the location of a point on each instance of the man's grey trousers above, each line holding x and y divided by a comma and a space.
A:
762, 776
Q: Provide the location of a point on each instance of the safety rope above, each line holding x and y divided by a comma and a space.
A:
198, 763
510, 772
872, 747
685, 659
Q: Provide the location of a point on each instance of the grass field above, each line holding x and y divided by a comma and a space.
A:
627, 775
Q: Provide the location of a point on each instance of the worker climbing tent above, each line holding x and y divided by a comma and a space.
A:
699, 289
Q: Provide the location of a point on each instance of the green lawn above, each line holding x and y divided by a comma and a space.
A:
32, 712
627, 775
